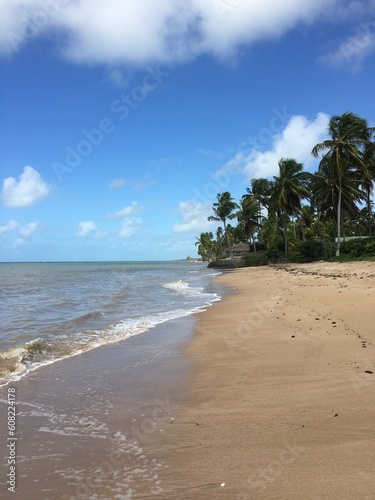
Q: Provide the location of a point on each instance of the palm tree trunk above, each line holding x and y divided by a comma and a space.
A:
277, 230
302, 229
228, 241
338, 220
286, 236
369, 215
260, 223
320, 228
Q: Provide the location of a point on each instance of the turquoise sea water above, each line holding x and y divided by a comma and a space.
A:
51, 311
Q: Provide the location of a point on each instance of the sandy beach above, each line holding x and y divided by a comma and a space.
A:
281, 404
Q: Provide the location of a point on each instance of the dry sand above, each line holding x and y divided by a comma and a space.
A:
282, 401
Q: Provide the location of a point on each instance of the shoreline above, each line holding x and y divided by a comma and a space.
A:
83, 423
281, 403
72, 319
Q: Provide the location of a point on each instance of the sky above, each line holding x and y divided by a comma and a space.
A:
120, 121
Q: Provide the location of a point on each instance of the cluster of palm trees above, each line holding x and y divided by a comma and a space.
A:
297, 205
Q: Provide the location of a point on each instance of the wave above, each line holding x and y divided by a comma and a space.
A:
184, 288
19, 361
71, 325
11, 361
78, 320
64, 303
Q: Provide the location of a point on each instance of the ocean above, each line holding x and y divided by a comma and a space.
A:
52, 311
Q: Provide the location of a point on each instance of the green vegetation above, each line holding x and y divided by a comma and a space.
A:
299, 216
223, 210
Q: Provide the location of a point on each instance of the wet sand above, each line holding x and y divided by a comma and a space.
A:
282, 401
82, 423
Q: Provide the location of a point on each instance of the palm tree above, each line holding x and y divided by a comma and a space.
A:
287, 191
206, 246
247, 216
219, 241
326, 191
368, 178
223, 210
259, 191
307, 219
349, 135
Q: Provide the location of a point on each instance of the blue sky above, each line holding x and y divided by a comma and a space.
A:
120, 121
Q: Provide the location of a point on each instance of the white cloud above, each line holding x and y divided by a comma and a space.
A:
129, 223
352, 52
133, 209
140, 186
118, 78
296, 141
135, 185
118, 183
10, 226
27, 191
30, 228
210, 152
86, 228
145, 182
13, 23
124, 31
18, 242
194, 217
130, 226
